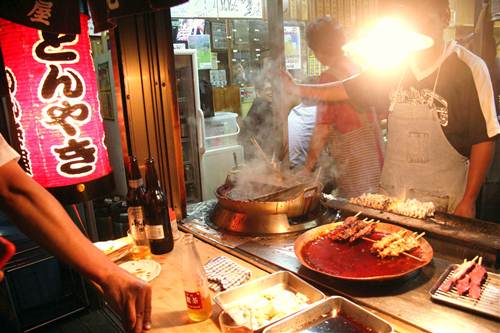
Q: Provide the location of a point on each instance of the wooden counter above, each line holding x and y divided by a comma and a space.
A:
169, 307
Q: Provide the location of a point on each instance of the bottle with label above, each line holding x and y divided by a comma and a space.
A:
195, 282
158, 229
135, 209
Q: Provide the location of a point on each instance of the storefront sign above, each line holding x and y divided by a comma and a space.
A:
293, 56
201, 43
56, 110
219, 8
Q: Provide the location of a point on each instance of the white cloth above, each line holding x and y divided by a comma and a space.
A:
481, 77
7, 154
301, 123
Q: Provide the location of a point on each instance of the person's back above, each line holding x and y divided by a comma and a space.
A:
355, 136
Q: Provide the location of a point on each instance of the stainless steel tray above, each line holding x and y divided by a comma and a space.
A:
282, 279
327, 309
488, 302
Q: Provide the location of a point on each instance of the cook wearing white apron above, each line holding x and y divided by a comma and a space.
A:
420, 161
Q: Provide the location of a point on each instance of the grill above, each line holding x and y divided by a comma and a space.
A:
486, 304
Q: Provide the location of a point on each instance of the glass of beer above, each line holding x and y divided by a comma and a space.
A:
140, 245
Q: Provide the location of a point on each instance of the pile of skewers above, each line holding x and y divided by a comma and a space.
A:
391, 245
408, 207
352, 229
396, 243
467, 278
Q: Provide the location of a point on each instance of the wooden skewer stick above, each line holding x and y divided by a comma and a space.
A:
420, 236
480, 261
369, 239
357, 214
318, 174
412, 256
260, 151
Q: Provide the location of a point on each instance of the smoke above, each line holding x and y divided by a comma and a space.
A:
270, 129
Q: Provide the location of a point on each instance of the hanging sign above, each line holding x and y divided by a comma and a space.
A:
53, 90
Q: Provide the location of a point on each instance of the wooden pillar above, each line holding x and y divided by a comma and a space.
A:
277, 50
149, 102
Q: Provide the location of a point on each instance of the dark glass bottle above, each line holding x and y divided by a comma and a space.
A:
135, 199
158, 229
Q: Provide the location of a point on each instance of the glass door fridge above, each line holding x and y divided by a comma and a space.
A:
188, 99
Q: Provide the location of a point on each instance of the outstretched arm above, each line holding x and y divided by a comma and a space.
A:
480, 161
38, 214
328, 92
318, 140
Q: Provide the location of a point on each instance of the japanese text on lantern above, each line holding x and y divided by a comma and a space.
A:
62, 91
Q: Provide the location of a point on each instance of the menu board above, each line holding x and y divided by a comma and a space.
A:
219, 8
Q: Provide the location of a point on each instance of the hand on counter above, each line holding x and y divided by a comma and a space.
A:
466, 208
131, 297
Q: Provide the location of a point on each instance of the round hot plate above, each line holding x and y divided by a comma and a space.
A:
355, 261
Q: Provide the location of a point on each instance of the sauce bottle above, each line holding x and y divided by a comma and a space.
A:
195, 282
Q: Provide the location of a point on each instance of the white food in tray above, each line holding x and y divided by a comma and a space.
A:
269, 305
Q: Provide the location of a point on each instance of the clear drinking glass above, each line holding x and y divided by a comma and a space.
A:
227, 325
140, 245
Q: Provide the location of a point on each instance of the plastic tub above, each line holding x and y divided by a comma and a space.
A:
221, 130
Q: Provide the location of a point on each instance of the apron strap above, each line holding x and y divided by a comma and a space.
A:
431, 102
398, 90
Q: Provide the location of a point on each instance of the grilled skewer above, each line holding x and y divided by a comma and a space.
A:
477, 276
458, 274
404, 253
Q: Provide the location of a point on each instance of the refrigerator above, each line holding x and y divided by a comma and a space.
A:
209, 144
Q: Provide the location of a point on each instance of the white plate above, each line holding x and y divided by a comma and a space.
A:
146, 270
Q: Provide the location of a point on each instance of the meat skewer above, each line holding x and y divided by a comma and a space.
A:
463, 285
477, 275
404, 253
458, 274
401, 245
384, 242
352, 229
366, 230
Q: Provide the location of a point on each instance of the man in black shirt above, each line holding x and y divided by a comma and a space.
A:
441, 119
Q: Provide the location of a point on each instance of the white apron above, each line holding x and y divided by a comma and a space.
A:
420, 162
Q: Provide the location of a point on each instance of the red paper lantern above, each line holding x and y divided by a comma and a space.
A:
56, 108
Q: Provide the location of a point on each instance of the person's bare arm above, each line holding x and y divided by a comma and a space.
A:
480, 161
318, 140
38, 214
328, 92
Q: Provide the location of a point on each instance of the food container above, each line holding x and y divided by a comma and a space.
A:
221, 130
486, 304
319, 318
283, 280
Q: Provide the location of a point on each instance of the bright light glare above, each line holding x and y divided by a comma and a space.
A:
386, 45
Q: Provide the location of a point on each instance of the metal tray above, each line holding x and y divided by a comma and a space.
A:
327, 309
282, 279
486, 304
